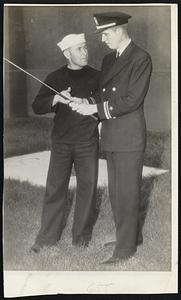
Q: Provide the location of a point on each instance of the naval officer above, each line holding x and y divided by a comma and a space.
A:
74, 141
124, 83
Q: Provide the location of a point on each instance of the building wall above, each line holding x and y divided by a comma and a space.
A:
43, 27
15, 90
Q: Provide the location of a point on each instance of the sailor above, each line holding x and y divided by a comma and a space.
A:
74, 142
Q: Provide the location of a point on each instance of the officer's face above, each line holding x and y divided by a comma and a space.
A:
112, 37
78, 56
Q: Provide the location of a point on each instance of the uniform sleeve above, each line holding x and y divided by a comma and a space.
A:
138, 85
43, 101
95, 95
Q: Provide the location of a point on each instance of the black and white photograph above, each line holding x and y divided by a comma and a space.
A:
90, 149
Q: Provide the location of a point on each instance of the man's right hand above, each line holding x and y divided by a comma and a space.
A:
58, 98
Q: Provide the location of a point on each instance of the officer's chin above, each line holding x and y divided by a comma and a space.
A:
84, 63
111, 47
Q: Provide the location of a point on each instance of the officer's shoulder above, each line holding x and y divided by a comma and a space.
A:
140, 53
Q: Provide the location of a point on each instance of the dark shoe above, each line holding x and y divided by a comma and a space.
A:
112, 243
111, 260
81, 241
35, 248
140, 239
85, 244
114, 260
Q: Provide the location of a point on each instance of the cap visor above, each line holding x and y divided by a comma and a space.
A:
103, 29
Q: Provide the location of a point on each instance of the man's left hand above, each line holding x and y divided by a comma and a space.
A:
79, 100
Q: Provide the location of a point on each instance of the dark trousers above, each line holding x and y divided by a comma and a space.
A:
84, 156
124, 180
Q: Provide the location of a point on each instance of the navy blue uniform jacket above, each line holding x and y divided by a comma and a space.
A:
123, 86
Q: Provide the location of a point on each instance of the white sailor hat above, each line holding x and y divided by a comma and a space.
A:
71, 40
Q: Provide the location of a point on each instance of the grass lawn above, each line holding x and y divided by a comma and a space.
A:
27, 135
22, 210
23, 204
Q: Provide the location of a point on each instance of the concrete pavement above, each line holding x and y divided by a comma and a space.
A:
33, 168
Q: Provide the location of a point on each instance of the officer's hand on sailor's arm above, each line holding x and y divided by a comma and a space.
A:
84, 109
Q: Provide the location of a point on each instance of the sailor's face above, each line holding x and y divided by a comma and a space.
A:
78, 55
112, 37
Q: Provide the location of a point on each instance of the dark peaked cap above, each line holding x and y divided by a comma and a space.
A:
110, 19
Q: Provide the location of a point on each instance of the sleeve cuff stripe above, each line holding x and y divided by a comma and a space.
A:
108, 112
105, 111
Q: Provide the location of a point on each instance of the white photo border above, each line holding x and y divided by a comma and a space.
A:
31, 283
